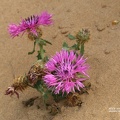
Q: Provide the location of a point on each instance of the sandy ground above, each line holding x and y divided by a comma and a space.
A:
103, 52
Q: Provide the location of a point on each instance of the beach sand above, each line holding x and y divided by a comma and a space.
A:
102, 52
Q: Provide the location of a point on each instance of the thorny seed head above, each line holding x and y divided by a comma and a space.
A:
83, 36
73, 99
20, 83
36, 72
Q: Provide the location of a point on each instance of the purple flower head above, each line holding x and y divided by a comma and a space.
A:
66, 71
45, 19
30, 24
14, 30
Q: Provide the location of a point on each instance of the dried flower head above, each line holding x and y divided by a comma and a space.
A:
73, 99
36, 72
66, 71
20, 83
30, 24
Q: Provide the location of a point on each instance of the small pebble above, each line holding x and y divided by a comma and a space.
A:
60, 27
100, 28
115, 22
64, 31
106, 52
104, 6
55, 35
68, 10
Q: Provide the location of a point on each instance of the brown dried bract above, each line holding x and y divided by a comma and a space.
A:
85, 89
73, 99
29, 102
32, 37
36, 72
20, 83
54, 109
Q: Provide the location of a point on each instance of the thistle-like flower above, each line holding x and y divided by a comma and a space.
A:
30, 24
20, 83
66, 71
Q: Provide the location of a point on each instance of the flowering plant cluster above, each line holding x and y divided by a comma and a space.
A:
63, 73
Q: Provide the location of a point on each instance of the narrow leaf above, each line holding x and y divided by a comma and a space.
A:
65, 46
46, 58
33, 49
74, 47
40, 41
48, 42
71, 37
39, 56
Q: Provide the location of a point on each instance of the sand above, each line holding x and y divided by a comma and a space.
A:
102, 51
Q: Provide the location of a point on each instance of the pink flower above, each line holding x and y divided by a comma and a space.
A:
30, 24
45, 19
14, 30
66, 71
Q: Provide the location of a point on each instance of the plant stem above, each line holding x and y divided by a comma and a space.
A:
78, 45
41, 51
82, 49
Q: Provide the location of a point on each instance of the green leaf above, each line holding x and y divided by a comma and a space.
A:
47, 42
71, 37
33, 49
45, 95
39, 56
58, 97
39, 87
46, 58
65, 46
40, 41
74, 47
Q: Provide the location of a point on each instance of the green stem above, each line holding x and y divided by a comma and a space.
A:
40, 55
82, 49
41, 51
78, 45
43, 92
